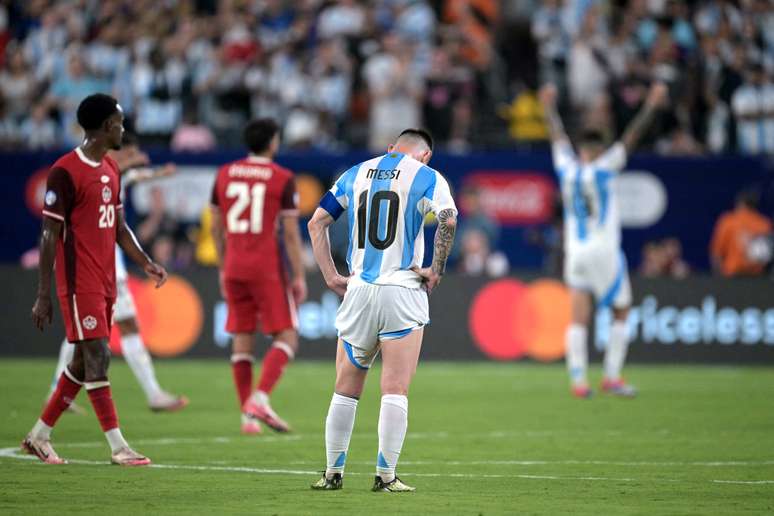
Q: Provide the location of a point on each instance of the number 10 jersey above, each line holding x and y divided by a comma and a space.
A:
386, 199
251, 195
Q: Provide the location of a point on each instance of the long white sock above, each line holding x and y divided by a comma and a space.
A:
116, 440
41, 431
577, 354
66, 351
338, 430
393, 422
617, 345
139, 361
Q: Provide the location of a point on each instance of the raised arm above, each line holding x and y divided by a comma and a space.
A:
41, 310
128, 242
556, 130
321, 245
656, 98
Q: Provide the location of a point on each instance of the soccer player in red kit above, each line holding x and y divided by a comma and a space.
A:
253, 199
83, 220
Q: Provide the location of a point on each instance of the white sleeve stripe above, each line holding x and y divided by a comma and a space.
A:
53, 215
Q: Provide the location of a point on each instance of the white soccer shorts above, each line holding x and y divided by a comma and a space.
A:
371, 313
602, 272
124, 307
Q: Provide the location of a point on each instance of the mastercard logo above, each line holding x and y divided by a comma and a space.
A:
510, 320
170, 317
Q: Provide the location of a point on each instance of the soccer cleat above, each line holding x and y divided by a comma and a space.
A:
329, 484
266, 414
166, 402
582, 392
42, 449
396, 486
250, 425
619, 388
129, 457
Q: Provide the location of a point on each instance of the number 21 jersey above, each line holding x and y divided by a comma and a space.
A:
251, 195
84, 196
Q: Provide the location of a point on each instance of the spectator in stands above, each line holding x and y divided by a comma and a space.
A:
9, 129
734, 233
473, 218
476, 257
38, 131
753, 106
191, 135
17, 84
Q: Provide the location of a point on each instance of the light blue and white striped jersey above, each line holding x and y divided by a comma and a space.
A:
590, 207
386, 199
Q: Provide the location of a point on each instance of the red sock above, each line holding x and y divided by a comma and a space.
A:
102, 401
273, 366
242, 368
64, 395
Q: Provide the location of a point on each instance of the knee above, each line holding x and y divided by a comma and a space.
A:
96, 363
288, 337
394, 385
76, 367
350, 386
127, 327
621, 314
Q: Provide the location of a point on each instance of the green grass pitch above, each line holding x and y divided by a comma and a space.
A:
483, 439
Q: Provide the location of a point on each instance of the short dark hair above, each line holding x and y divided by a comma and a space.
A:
418, 133
259, 133
95, 109
591, 137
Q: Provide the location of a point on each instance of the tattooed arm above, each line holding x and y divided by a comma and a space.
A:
637, 127
444, 239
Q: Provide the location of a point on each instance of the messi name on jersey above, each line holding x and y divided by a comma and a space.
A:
383, 173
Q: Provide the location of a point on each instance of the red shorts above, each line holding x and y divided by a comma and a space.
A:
264, 300
87, 316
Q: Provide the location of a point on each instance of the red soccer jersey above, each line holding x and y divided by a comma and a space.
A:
251, 194
84, 195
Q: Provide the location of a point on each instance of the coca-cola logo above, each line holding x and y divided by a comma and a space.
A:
514, 197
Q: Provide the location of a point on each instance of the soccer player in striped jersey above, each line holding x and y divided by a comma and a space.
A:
595, 266
385, 306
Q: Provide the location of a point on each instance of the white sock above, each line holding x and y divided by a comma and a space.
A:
577, 354
116, 440
66, 351
41, 431
393, 421
139, 361
338, 430
615, 354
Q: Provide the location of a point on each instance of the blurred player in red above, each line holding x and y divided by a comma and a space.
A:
253, 199
83, 220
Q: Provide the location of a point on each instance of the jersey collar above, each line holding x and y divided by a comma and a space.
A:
86, 160
252, 158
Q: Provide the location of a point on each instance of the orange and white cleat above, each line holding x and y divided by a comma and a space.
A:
265, 414
42, 449
251, 426
129, 457
582, 392
619, 387
166, 402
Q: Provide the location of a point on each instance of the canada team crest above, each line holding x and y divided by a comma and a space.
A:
107, 194
89, 322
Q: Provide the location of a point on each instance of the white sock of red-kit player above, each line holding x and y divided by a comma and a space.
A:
338, 430
278, 356
102, 401
66, 351
393, 422
615, 354
577, 354
140, 362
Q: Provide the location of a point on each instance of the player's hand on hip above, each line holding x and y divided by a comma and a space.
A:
42, 312
430, 279
338, 284
298, 287
156, 272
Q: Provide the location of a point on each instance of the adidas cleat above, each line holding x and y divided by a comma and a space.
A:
396, 486
265, 414
129, 457
329, 484
619, 388
42, 449
582, 392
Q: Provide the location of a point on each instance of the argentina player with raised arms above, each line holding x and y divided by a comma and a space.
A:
385, 306
594, 262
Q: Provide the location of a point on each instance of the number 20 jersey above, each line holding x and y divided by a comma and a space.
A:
386, 200
84, 196
252, 194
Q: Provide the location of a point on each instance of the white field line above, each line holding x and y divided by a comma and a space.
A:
15, 453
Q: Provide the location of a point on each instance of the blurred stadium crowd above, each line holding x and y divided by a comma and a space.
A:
344, 73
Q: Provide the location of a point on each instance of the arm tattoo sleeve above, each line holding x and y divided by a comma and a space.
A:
444, 238
637, 127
